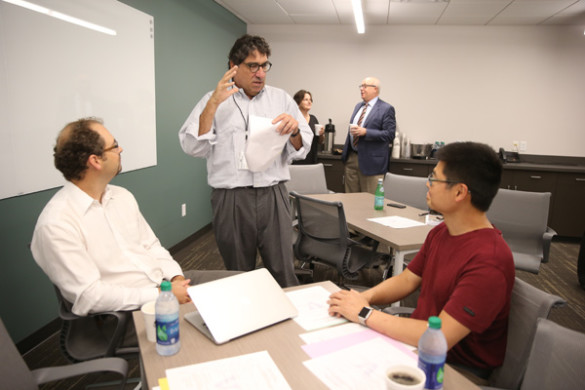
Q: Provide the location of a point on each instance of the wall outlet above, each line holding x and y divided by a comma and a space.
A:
523, 146
183, 210
515, 146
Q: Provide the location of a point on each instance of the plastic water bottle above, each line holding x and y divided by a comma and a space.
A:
432, 352
166, 312
379, 196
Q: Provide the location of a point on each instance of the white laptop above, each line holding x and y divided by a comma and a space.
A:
237, 305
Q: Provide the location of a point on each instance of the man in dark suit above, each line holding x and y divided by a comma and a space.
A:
366, 149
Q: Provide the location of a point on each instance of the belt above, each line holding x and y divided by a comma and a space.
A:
252, 187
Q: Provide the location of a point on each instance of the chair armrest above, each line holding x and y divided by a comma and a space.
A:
546, 241
399, 311
50, 374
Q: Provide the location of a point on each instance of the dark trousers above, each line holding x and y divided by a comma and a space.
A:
247, 220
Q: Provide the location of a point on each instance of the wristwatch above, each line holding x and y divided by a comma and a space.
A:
295, 134
365, 314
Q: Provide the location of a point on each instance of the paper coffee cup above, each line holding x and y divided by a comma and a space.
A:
318, 129
149, 320
403, 377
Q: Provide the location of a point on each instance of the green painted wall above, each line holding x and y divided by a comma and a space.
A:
192, 40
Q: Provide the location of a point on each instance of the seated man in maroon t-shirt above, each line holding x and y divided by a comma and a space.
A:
465, 270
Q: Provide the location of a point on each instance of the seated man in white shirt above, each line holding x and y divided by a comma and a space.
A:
91, 239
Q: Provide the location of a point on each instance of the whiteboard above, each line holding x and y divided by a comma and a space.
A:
53, 72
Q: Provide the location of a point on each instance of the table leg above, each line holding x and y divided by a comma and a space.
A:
399, 264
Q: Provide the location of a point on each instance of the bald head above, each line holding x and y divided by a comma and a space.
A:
370, 88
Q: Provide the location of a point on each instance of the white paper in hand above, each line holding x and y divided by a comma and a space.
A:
264, 143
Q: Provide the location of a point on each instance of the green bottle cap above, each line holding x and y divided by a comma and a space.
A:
434, 322
167, 286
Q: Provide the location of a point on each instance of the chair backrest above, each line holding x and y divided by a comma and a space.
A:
409, 190
307, 179
91, 337
522, 218
14, 372
527, 305
556, 360
323, 233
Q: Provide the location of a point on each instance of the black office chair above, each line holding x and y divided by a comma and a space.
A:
15, 374
323, 237
95, 335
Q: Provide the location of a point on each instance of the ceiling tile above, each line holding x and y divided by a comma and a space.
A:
472, 12
415, 13
575, 14
307, 6
530, 12
257, 11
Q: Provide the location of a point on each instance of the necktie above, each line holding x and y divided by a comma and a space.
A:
359, 123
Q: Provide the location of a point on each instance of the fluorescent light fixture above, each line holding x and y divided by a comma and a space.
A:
62, 16
359, 16
419, 1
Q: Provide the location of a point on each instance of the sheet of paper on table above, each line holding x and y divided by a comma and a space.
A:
397, 222
362, 366
313, 309
348, 338
252, 371
331, 333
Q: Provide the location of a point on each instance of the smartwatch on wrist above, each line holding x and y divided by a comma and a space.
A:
365, 314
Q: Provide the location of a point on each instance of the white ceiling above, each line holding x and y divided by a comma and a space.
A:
410, 12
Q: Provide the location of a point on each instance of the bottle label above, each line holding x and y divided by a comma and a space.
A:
379, 202
434, 373
167, 329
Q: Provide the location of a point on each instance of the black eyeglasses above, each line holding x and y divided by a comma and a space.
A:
364, 86
433, 179
255, 67
113, 147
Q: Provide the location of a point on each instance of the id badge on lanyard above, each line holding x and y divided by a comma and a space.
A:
241, 158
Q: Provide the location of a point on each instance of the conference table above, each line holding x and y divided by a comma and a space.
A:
359, 209
282, 342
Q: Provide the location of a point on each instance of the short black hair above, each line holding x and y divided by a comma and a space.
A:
300, 95
475, 164
75, 143
245, 45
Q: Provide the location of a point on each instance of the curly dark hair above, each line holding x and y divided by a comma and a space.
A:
245, 45
475, 164
75, 143
300, 95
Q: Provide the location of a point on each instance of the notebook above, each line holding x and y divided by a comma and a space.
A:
237, 305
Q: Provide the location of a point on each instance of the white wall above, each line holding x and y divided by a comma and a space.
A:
448, 83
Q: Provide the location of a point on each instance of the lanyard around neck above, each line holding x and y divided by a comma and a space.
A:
242, 114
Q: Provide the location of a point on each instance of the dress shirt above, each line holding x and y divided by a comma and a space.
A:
102, 256
359, 113
225, 143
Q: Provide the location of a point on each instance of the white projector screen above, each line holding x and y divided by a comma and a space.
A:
53, 72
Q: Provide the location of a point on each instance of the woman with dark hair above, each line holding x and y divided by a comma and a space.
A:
305, 101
